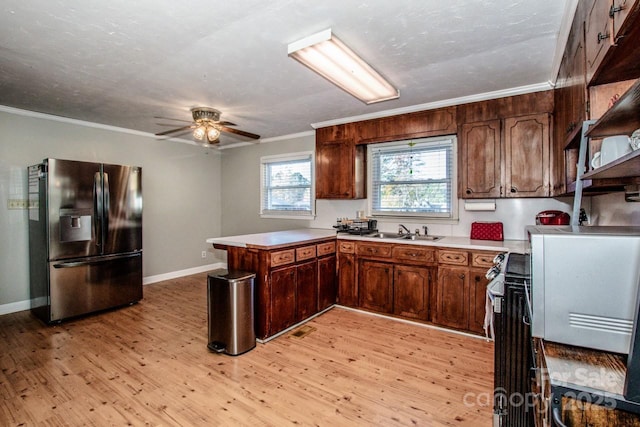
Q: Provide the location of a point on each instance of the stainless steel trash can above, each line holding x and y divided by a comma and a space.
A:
230, 309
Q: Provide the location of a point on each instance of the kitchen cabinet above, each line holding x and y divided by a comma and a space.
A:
461, 289
526, 148
340, 164
290, 284
612, 40
283, 298
504, 147
480, 146
421, 124
327, 281
412, 291
375, 286
306, 298
347, 285
452, 297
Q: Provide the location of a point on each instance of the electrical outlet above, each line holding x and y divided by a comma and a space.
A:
17, 204
204, 254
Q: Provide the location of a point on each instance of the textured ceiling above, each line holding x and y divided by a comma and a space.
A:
121, 63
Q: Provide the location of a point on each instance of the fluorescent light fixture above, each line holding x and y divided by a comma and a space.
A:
333, 60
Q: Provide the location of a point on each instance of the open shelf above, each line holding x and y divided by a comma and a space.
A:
625, 167
621, 119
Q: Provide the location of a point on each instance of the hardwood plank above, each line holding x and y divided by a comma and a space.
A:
148, 364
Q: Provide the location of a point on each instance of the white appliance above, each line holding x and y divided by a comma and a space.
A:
584, 284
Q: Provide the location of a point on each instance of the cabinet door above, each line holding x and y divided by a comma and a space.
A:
452, 297
327, 289
477, 302
598, 35
306, 290
526, 144
347, 285
375, 286
411, 290
283, 299
480, 160
620, 10
340, 165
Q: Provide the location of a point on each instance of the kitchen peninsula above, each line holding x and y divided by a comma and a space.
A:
300, 273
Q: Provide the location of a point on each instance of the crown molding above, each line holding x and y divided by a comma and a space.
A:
439, 104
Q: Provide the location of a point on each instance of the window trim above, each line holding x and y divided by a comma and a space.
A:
281, 158
453, 218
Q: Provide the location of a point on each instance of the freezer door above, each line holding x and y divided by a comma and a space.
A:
92, 284
123, 218
71, 208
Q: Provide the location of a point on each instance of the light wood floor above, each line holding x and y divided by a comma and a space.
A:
148, 365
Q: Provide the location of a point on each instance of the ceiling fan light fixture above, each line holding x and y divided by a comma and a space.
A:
212, 134
328, 56
199, 132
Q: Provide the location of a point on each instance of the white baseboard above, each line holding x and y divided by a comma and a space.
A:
14, 307
180, 273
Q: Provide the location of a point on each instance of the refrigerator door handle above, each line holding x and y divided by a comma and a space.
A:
105, 210
73, 264
97, 208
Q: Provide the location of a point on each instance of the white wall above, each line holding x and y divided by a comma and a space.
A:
241, 196
611, 209
181, 193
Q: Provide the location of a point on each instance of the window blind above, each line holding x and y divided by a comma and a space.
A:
287, 185
413, 178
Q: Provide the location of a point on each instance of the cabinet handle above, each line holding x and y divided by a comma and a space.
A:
461, 276
468, 191
614, 9
514, 190
602, 37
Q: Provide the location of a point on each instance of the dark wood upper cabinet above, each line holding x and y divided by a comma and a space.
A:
420, 124
598, 34
340, 164
526, 148
480, 159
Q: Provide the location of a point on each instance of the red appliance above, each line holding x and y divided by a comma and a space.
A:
552, 218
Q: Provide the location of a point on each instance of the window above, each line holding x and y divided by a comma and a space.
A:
414, 178
287, 186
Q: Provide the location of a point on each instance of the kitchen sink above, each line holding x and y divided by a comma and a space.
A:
404, 237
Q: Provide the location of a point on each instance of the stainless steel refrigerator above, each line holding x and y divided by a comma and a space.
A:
85, 237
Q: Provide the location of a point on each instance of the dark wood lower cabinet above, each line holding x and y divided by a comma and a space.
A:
327, 284
306, 290
452, 297
411, 291
347, 284
283, 298
375, 286
477, 303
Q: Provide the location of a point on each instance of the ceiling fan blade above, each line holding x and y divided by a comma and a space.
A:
167, 132
171, 118
239, 132
225, 123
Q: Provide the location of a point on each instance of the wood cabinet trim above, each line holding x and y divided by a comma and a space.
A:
347, 247
305, 252
326, 248
373, 249
283, 257
451, 257
482, 259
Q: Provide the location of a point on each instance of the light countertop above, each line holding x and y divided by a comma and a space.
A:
276, 239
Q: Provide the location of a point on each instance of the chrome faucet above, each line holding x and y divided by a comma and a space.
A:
402, 227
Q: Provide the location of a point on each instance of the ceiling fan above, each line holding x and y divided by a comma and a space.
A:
207, 124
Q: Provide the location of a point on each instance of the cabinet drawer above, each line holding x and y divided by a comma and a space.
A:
453, 257
326, 248
373, 249
484, 260
306, 252
414, 253
347, 247
283, 257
